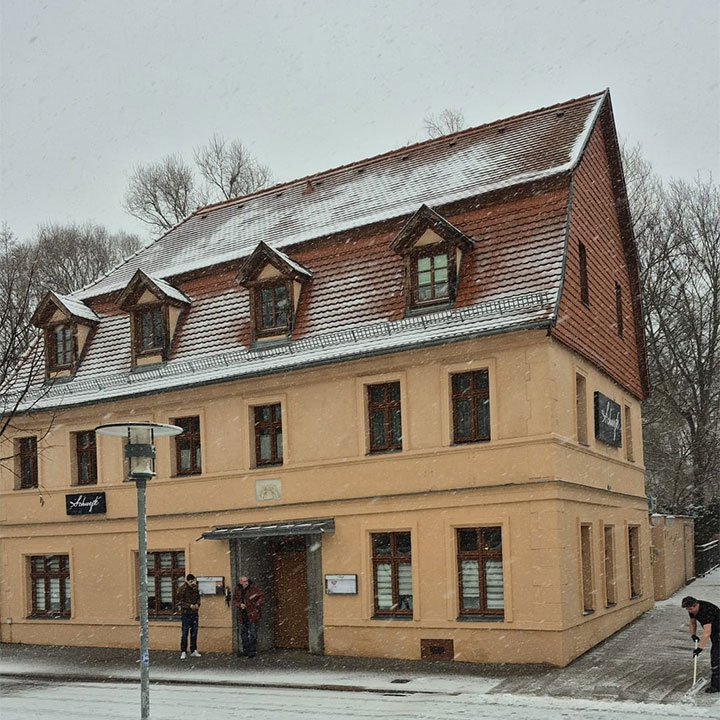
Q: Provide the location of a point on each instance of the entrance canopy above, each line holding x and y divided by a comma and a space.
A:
294, 527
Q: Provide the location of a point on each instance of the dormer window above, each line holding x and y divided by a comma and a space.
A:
273, 309
275, 283
61, 353
155, 308
432, 249
67, 324
431, 274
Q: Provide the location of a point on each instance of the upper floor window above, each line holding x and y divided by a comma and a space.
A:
273, 309
187, 446
165, 574
471, 406
431, 282
50, 582
150, 329
584, 289
62, 350
581, 421
392, 573
384, 417
618, 309
268, 435
27, 462
480, 571
86, 455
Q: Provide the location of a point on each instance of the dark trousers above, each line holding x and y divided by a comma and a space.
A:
189, 625
248, 635
715, 661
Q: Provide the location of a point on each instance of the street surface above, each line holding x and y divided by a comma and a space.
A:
24, 699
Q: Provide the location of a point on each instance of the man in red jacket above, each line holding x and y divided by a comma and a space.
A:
248, 599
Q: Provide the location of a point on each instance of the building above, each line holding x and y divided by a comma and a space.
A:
410, 393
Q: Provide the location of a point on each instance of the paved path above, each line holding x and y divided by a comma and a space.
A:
648, 661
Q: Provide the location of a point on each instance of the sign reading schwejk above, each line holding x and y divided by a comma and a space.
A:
85, 503
608, 425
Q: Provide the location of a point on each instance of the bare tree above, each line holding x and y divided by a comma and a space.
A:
447, 121
162, 194
228, 169
677, 229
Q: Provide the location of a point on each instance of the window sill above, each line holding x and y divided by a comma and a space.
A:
608, 606
426, 309
392, 617
389, 451
194, 473
588, 612
18, 489
145, 368
48, 617
480, 618
162, 618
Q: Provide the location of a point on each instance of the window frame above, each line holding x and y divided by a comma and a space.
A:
618, 310
394, 559
432, 251
155, 575
86, 453
69, 347
272, 425
587, 579
29, 456
46, 574
480, 555
137, 319
584, 285
191, 437
260, 330
475, 396
634, 561
387, 407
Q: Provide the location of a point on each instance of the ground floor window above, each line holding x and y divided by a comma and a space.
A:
634, 561
480, 571
165, 573
392, 573
50, 580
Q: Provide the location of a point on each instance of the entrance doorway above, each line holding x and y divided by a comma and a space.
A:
289, 560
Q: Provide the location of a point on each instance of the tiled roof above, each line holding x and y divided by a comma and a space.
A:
354, 304
472, 162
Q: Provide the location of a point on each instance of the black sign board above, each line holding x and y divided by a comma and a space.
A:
608, 423
85, 503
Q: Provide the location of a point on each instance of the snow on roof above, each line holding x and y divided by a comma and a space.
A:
499, 155
77, 307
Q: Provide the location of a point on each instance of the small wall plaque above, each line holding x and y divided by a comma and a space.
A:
341, 584
268, 490
92, 503
608, 423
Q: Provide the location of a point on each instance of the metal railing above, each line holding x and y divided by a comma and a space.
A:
707, 557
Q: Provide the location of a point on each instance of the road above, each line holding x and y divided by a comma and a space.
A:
22, 699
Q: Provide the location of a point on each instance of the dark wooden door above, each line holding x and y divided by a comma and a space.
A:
290, 592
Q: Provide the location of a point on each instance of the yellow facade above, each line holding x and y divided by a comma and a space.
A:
533, 479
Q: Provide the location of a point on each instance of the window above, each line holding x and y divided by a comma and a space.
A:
480, 571
61, 346
610, 594
634, 561
165, 573
392, 574
581, 409
50, 580
431, 280
86, 457
584, 289
471, 407
588, 589
187, 446
618, 310
384, 417
629, 455
268, 435
272, 309
27, 463
150, 329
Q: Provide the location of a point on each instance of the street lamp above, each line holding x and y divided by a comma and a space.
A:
140, 452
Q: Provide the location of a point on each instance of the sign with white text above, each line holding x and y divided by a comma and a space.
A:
85, 504
341, 584
608, 424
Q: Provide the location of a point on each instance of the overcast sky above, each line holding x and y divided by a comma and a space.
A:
91, 88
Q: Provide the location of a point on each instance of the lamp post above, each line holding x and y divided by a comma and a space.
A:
140, 452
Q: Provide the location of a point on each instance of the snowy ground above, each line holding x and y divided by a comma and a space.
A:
27, 700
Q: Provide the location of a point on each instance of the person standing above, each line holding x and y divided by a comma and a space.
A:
706, 615
248, 599
188, 599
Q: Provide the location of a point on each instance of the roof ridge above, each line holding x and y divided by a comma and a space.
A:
389, 153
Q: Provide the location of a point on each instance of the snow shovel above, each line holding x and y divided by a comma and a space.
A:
697, 684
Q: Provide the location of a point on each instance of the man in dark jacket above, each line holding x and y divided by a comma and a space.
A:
188, 600
248, 599
706, 615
